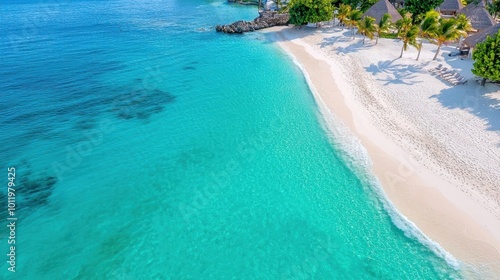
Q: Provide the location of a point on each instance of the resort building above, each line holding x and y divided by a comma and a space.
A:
476, 38
478, 15
398, 3
450, 7
380, 8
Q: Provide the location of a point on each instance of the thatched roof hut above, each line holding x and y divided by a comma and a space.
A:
382, 7
474, 39
450, 7
479, 17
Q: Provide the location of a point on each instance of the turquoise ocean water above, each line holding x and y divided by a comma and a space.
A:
147, 146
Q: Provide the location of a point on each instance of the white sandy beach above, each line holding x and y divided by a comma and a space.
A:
434, 147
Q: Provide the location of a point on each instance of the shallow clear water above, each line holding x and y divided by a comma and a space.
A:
149, 147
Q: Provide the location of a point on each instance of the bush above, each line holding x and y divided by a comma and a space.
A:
420, 7
487, 59
305, 11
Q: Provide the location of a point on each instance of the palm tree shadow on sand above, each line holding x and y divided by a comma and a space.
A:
483, 102
330, 41
390, 72
352, 48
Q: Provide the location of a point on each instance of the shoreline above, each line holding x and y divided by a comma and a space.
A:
456, 219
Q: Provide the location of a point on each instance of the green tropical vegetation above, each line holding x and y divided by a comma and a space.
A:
428, 28
487, 59
494, 8
362, 5
463, 24
384, 25
367, 28
343, 13
305, 11
404, 23
336, 3
391, 35
419, 7
408, 33
366, 4
447, 30
352, 20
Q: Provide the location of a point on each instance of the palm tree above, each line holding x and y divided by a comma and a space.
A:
343, 13
407, 32
494, 8
446, 31
463, 24
409, 38
404, 24
383, 25
352, 20
428, 28
367, 27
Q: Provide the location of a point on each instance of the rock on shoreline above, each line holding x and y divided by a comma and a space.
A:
248, 2
266, 19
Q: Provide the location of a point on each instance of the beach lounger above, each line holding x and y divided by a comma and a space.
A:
454, 76
455, 81
441, 71
437, 68
461, 81
446, 73
457, 76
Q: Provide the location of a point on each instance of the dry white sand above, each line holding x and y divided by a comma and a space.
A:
434, 147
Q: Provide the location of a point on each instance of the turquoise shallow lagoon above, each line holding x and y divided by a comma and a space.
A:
147, 146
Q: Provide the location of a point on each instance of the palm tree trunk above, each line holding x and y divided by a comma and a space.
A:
260, 3
483, 82
437, 52
378, 36
419, 49
402, 49
364, 37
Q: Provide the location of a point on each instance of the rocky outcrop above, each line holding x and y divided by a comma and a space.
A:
266, 19
245, 2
